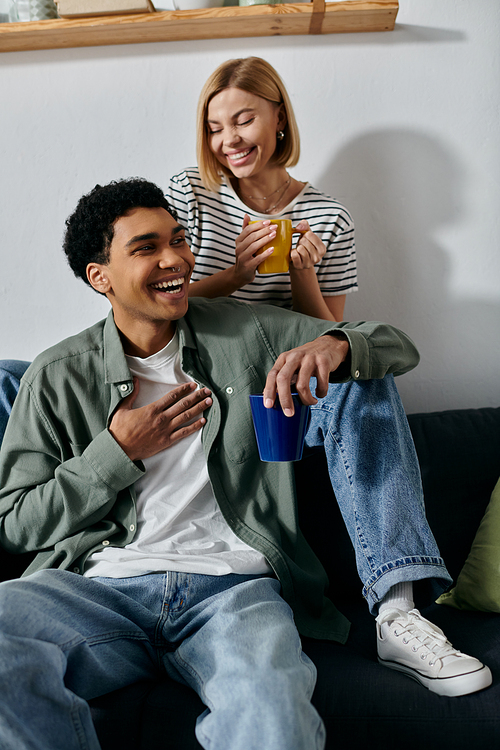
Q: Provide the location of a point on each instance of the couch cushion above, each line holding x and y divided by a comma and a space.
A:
478, 585
459, 454
367, 705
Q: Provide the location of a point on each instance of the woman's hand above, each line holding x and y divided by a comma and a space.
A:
253, 237
223, 283
309, 249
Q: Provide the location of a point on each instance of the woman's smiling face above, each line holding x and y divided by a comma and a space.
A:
242, 131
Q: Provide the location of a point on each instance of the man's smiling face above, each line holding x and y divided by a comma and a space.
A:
147, 276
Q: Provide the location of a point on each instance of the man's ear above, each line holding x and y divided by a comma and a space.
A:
98, 277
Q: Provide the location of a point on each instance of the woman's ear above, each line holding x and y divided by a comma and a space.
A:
98, 277
282, 118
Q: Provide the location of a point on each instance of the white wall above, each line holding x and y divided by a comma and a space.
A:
401, 126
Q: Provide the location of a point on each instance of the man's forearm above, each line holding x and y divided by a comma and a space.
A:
376, 349
43, 501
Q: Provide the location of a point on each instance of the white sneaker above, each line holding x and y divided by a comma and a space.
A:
409, 643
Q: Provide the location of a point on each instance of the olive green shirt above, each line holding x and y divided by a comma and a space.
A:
67, 488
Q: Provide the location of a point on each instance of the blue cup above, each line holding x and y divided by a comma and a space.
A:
279, 438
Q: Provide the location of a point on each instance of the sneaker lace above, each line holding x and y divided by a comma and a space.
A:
419, 633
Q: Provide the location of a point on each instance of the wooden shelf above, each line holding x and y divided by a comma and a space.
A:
315, 17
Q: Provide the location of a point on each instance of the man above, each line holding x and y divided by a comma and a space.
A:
130, 465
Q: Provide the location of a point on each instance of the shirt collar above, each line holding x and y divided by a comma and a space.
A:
116, 369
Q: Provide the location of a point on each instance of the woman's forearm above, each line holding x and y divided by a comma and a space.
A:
307, 297
220, 284
306, 293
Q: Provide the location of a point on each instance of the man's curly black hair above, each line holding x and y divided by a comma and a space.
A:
89, 230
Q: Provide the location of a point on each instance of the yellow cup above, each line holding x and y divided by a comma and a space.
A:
279, 261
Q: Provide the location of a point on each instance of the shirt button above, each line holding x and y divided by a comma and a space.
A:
124, 387
229, 390
76, 570
105, 543
356, 374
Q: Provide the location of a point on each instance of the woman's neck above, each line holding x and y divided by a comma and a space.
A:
263, 186
268, 193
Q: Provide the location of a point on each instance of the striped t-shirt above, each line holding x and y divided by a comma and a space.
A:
213, 221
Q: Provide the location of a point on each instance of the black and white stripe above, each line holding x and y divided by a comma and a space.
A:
213, 221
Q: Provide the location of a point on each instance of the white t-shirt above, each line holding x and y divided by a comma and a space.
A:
179, 524
213, 221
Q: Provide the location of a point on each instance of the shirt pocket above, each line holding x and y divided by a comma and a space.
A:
237, 433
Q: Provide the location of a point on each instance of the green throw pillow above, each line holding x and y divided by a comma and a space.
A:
478, 585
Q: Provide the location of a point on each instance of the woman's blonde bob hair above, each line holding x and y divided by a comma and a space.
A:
258, 77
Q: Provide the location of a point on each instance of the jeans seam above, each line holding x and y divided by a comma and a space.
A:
337, 439
77, 724
167, 611
207, 742
310, 668
320, 734
101, 638
195, 676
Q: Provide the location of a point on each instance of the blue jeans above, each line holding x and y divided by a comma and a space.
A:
375, 474
11, 372
66, 639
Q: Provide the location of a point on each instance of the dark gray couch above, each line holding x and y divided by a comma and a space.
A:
361, 702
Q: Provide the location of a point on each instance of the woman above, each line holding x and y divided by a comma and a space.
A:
246, 138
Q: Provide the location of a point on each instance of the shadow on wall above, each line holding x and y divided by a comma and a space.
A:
403, 188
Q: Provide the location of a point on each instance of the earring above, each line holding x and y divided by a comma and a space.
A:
280, 135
